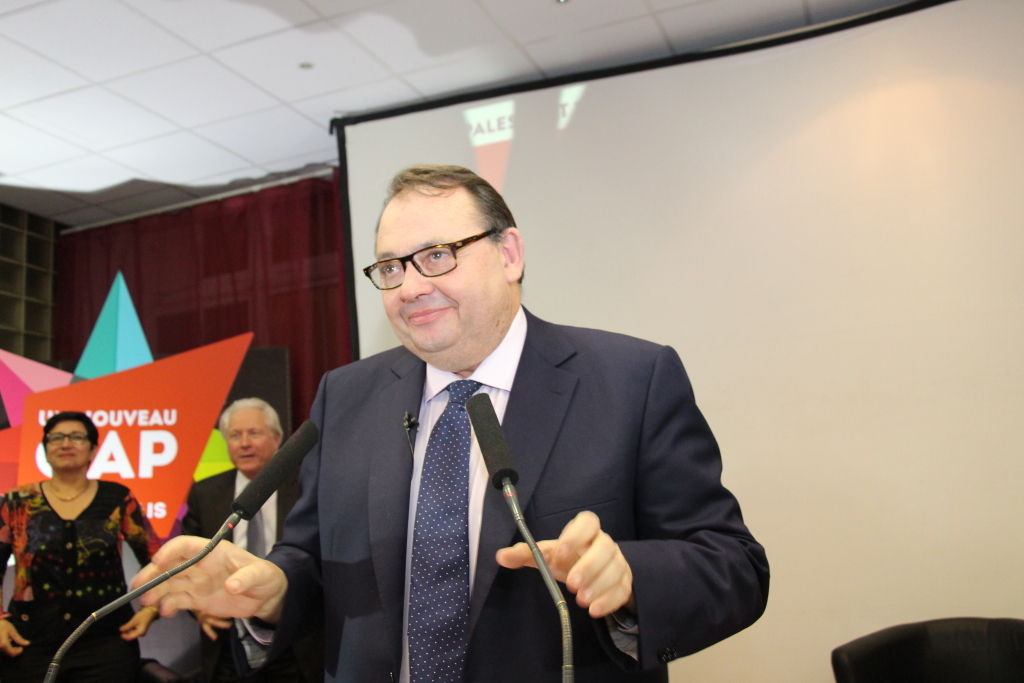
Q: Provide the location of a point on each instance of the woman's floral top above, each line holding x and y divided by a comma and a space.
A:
67, 569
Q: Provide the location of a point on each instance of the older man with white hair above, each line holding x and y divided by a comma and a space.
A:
252, 430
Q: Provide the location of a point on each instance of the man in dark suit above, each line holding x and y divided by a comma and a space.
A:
618, 469
252, 430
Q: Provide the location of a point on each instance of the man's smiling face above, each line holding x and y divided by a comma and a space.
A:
452, 321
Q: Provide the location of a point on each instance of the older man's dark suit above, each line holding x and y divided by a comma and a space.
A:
209, 504
595, 421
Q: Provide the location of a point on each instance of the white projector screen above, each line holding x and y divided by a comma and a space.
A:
831, 234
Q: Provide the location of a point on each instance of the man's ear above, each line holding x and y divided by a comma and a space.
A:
513, 251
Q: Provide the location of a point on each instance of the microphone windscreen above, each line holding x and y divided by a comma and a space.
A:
275, 472
492, 440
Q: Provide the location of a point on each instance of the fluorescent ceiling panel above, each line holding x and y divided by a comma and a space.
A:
194, 92
99, 39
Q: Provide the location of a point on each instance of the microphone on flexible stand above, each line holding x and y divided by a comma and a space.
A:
504, 477
247, 504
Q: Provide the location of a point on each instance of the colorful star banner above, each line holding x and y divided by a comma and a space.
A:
154, 418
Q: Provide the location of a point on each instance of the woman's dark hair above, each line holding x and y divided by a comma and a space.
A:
73, 416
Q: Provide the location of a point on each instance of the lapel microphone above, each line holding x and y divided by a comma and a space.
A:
410, 422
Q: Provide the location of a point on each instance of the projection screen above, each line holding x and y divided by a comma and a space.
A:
831, 234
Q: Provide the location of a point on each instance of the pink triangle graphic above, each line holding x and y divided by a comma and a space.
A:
13, 391
37, 376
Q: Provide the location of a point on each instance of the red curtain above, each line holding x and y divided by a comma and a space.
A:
271, 262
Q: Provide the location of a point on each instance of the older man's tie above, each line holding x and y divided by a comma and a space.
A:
439, 581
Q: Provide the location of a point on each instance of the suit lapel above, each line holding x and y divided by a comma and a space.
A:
390, 477
533, 418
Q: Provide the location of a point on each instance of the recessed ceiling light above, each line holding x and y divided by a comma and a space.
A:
306, 65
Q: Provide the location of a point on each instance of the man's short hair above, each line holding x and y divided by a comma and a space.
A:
434, 180
272, 420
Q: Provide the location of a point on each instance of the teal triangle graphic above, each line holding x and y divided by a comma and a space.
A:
117, 341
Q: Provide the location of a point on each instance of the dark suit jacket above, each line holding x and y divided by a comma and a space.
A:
595, 421
209, 504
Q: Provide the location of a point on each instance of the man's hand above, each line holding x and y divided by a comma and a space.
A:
211, 623
137, 626
587, 560
228, 582
10, 639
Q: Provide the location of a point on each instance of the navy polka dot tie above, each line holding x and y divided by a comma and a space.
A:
439, 584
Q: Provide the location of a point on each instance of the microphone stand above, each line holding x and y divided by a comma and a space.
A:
51, 673
512, 498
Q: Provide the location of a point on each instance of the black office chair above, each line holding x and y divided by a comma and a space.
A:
962, 650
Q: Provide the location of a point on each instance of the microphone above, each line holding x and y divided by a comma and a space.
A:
504, 477
247, 504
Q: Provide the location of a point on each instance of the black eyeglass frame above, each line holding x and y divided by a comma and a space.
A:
403, 261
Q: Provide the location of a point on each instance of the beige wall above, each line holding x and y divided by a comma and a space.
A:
832, 235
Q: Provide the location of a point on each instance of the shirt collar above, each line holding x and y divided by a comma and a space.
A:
498, 370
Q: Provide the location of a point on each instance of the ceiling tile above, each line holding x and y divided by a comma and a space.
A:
484, 68
26, 76
81, 35
325, 157
177, 158
658, 5
93, 118
273, 62
412, 34
720, 22
332, 8
392, 92
25, 147
87, 174
194, 92
630, 41
830, 10
212, 24
11, 5
269, 135
226, 182
90, 214
530, 20
165, 196
36, 200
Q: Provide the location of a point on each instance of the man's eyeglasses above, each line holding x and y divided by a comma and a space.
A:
430, 262
77, 438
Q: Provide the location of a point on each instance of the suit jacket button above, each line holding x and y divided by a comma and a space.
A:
24, 617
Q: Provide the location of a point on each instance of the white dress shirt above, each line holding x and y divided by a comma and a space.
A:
268, 512
496, 374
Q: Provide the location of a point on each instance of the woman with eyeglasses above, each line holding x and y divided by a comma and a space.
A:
66, 536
